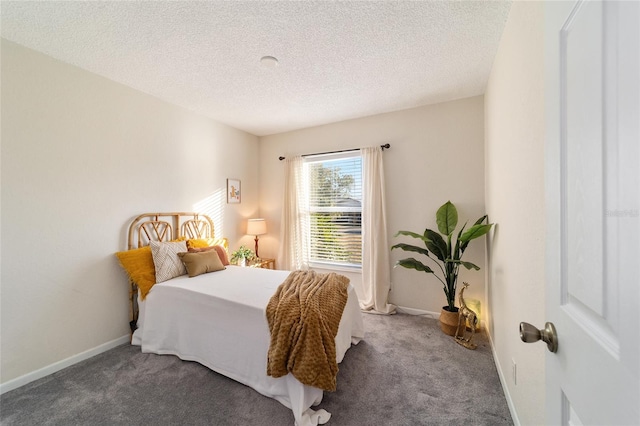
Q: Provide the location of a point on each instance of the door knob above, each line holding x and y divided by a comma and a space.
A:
530, 334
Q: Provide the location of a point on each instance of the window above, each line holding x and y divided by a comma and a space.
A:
335, 208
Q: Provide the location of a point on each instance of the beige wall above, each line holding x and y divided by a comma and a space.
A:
81, 156
436, 155
514, 110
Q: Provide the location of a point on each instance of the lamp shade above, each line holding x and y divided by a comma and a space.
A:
256, 227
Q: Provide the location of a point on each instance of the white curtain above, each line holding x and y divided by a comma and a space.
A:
294, 250
294, 231
376, 271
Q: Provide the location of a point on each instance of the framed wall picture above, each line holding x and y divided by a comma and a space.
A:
233, 191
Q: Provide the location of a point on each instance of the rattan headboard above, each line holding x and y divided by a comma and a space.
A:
168, 226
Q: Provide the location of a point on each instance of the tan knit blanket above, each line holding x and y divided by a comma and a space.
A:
303, 317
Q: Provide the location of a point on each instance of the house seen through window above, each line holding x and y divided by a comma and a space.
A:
335, 209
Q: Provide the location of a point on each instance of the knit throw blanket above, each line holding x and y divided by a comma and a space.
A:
303, 317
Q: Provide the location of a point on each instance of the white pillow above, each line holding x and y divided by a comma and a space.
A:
166, 261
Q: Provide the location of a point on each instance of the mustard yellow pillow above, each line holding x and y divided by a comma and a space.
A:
205, 242
198, 263
138, 264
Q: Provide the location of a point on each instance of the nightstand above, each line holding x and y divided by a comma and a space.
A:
264, 262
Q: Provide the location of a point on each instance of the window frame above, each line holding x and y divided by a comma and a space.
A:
320, 158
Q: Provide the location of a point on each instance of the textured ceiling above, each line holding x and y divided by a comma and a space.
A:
337, 60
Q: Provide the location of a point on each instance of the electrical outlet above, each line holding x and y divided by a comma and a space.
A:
514, 371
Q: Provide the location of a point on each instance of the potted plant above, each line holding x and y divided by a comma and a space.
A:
242, 256
445, 251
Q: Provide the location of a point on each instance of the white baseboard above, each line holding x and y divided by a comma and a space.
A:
503, 382
55, 367
413, 311
430, 314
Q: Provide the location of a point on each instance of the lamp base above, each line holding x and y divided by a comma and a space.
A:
256, 247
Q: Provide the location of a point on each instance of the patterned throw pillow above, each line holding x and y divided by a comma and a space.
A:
165, 258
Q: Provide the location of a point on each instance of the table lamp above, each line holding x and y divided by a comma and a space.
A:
256, 227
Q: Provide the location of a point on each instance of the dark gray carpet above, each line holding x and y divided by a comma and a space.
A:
405, 372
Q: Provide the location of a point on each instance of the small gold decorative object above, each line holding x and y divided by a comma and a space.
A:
474, 305
466, 314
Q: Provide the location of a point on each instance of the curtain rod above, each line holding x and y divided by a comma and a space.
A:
385, 146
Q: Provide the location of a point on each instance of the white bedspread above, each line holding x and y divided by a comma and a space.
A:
219, 320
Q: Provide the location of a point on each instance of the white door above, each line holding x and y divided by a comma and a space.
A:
593, 215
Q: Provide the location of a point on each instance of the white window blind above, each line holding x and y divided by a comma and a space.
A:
335, 208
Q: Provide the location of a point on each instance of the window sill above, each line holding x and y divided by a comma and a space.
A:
336, 267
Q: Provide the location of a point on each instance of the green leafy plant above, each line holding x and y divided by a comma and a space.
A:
242, 253
445, 251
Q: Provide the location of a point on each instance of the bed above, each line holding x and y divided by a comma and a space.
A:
219, 319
